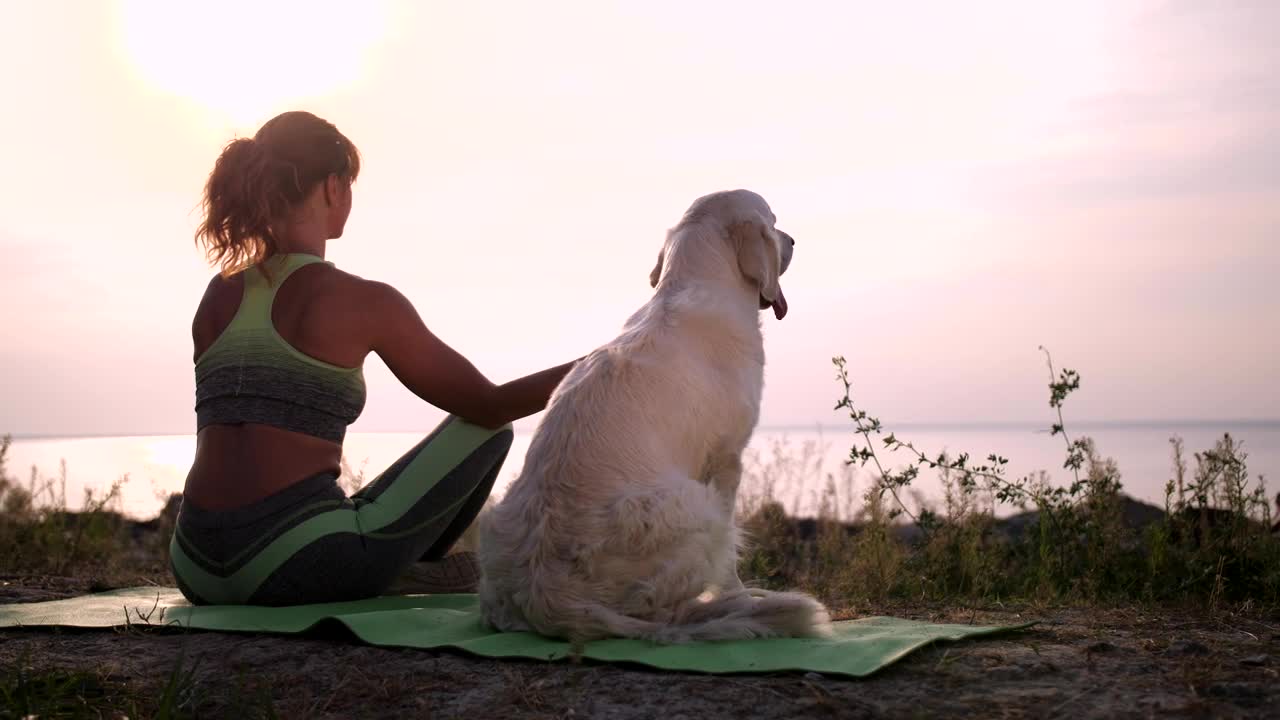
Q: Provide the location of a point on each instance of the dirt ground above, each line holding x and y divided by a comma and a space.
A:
1077, 663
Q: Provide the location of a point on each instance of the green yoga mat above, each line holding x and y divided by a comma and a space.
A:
859, 647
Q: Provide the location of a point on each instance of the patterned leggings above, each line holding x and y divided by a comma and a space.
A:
310, 543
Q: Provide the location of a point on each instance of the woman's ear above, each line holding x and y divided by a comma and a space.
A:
332, 190
759, 257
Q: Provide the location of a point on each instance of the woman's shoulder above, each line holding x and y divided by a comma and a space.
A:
223, 286
368, 290
338, 292
346, 284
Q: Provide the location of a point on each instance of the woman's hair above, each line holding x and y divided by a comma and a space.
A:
257, 181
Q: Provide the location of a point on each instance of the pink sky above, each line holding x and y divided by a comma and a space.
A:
965, 182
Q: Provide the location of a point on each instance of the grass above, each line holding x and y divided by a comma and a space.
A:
26, 692
1081, 541
40, 535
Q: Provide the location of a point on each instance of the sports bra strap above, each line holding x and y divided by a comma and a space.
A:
260, 293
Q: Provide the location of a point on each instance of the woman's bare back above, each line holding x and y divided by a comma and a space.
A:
314, 309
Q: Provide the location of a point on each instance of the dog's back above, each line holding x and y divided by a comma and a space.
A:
616, 525
563, 532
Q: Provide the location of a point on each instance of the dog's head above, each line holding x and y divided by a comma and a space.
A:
746, 223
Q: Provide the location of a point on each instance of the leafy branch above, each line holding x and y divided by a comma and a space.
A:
991, 474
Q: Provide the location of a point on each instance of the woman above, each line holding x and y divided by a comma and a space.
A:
280, 337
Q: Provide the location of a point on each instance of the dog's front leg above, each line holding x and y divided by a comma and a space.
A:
723, 475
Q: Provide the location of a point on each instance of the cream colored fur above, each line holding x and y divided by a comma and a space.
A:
622, 520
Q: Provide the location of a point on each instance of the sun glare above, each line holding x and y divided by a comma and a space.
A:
174, 452
244, 59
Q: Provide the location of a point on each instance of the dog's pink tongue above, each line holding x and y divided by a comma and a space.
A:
780, 305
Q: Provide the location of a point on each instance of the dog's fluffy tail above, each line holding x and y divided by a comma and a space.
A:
735, 615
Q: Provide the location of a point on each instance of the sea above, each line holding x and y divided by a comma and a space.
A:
804, 468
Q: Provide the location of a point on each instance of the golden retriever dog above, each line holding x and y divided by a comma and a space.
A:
621, 523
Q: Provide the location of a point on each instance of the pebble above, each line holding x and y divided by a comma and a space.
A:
1006, 672
1254, 660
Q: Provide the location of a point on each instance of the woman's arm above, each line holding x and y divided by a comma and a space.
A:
437, 373
530, 394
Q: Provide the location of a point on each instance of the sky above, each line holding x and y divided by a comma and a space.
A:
965, 182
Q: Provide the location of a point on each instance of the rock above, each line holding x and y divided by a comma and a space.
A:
1241, 693
1254, 660
1187, 647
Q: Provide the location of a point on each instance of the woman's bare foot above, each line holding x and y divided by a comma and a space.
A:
456, 573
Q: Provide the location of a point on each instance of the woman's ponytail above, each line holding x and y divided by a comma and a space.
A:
257, 181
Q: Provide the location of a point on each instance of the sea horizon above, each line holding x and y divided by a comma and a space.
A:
794, 462
1070, 425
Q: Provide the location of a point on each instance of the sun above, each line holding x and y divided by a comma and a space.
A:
245, 59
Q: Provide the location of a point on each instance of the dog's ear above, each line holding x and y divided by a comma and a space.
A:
656, 272
758, 255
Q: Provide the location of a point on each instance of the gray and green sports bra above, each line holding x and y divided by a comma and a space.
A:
251, 374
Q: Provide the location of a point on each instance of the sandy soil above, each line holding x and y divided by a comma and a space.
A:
1077, 663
